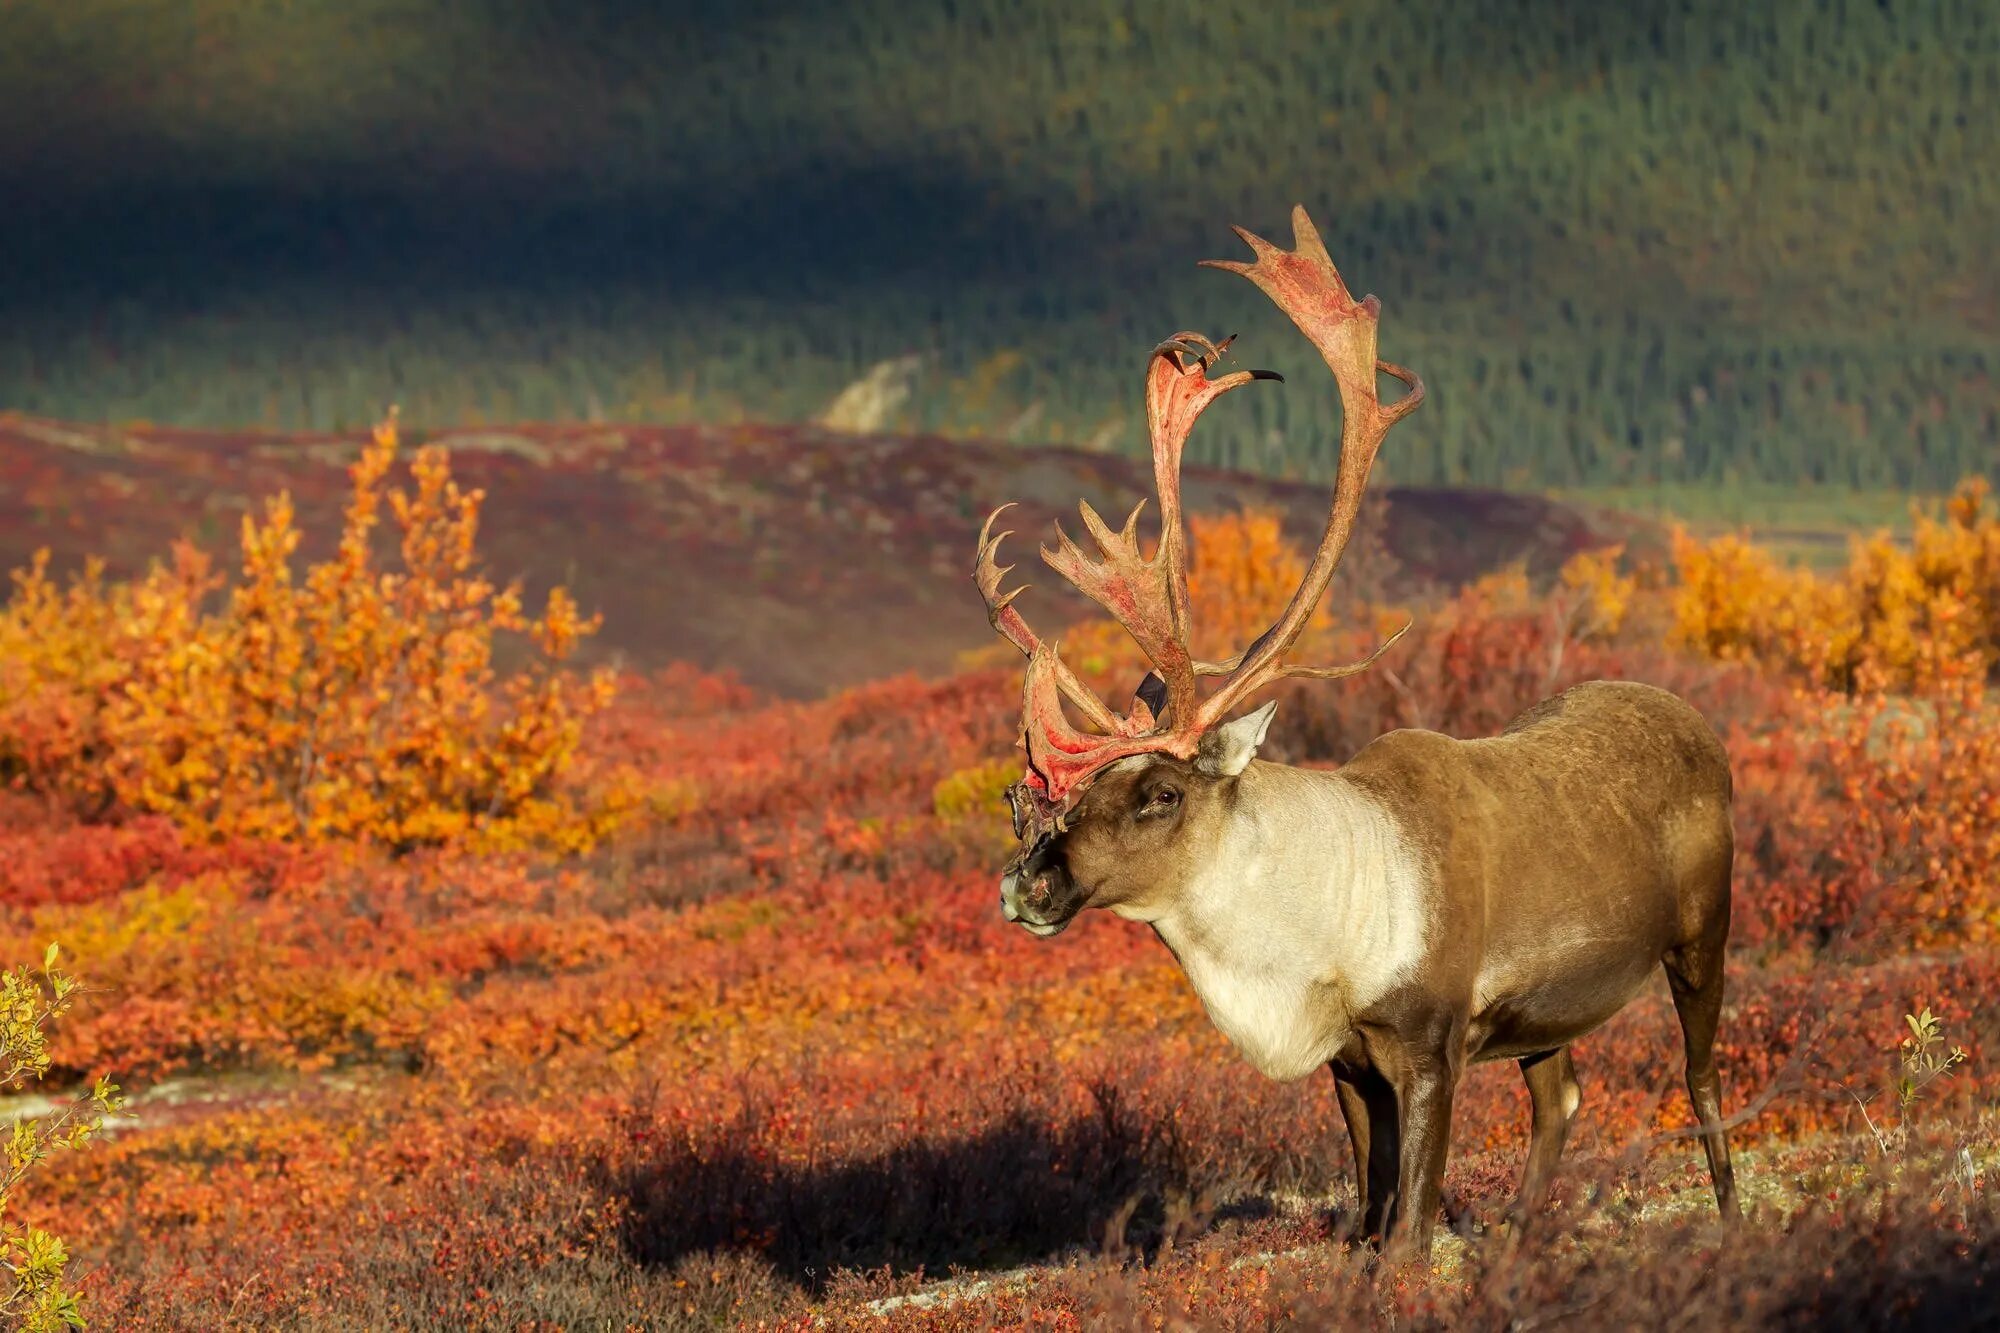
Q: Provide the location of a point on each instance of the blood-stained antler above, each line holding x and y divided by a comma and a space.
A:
1149, 597
1146, 596
1304, 284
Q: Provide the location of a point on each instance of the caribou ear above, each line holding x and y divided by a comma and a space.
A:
1228, 749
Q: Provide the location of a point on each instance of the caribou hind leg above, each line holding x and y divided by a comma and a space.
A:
1694, 973
1551, 1079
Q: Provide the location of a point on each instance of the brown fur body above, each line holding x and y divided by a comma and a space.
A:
1433, 903
1585, 846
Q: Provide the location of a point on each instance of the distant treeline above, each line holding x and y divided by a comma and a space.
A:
1702, 241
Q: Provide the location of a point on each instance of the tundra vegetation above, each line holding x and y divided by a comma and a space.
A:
544, 1002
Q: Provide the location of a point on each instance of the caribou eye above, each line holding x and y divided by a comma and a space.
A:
1163, 798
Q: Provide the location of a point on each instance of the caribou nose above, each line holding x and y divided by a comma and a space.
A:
1009, 885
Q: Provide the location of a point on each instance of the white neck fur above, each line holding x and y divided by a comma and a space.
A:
1309, 908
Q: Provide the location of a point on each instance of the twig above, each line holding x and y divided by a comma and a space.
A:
1861, 1104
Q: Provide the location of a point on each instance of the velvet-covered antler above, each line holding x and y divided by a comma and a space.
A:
1149, 596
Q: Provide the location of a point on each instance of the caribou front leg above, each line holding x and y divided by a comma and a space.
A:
1424, 1094
1368, 1104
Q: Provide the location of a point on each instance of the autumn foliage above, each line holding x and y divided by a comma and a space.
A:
1897, 618
347, 701
35, 1295
767, 1052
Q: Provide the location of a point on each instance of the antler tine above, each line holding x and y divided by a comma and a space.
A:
1262, 248
1106, 540
1133, 589
1304, 283
987, 572
1352, 668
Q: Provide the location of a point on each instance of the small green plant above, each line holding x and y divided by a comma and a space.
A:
33, 1297
1924, 1057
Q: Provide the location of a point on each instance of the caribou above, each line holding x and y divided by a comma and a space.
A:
1431, 903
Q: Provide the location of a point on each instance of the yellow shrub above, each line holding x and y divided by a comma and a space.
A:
1734, 602
352, 702
34, 1293
1599, 596
1894, 619
975, 793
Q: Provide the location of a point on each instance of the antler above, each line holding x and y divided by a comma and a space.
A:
1149, 597
1304, 284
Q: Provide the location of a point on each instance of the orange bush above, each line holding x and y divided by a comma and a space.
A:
1241, 573
352, 702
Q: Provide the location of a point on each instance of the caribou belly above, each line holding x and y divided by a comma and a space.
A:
1563, 998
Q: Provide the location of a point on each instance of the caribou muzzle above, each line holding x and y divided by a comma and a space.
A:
1037, 892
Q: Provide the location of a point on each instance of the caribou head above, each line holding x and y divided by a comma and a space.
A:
1123, 843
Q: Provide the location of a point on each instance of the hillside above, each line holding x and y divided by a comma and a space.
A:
1695, 241
801, 559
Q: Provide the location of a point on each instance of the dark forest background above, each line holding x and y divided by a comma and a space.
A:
1703, 242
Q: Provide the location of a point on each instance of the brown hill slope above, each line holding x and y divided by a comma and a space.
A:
801, 558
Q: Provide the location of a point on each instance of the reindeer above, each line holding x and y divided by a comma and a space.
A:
1432, 903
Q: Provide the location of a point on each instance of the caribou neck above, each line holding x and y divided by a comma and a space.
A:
1308, 908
